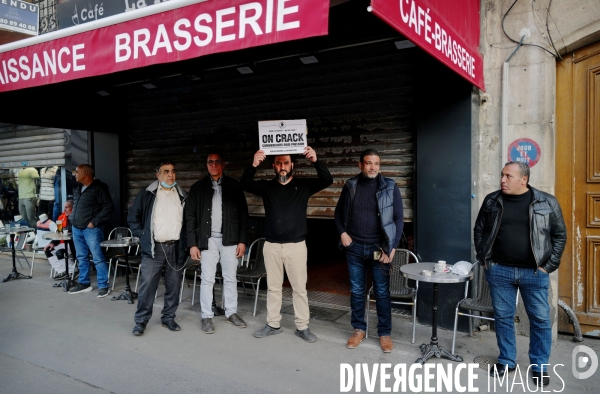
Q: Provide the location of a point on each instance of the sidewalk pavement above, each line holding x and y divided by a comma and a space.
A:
53, 342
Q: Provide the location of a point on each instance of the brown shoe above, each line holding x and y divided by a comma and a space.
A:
386, 344
357, 337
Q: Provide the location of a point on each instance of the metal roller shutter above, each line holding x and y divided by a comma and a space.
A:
31, 146
355, 98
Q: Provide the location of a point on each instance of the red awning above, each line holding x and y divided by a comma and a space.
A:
446, 29
163, 33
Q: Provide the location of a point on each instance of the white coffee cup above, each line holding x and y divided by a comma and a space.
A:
440, 266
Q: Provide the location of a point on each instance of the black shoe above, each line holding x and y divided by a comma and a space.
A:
139, 328
79, 288
103, 292
501, 370
207, 326
61, 276
541, 379
171, 325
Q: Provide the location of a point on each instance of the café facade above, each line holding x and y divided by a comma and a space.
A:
421, 81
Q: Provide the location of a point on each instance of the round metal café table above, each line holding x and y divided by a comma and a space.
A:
413, 271
121, 243
14, 231
66, 283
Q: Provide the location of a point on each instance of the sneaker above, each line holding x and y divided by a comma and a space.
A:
501, 369
385, 342
103, 292
540, 378
306, 335
357, 337
266, 331
79, 288
236, 321
207, 326
60, 276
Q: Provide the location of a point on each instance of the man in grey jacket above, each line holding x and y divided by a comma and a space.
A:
520, 235
156, 217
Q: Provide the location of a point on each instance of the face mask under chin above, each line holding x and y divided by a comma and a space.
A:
166, 185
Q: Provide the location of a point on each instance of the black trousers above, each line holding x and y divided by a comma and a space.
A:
163, 264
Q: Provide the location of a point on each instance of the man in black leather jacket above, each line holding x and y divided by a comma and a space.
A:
519, 236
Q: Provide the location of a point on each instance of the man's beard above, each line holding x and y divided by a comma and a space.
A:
366, 176
284, 178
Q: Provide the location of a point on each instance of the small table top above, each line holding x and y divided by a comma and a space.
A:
58, 236
16, 230
119, 243
413, 271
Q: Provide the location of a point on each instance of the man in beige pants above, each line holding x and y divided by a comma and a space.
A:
285, 200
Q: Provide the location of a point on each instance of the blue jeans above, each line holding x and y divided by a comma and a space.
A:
360, 260
87, 241
533, 285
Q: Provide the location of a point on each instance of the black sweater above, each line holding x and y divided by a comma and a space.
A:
285, 205
512, 246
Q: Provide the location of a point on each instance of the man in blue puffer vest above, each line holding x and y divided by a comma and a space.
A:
369, 219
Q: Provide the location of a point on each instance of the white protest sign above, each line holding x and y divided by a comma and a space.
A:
281, 137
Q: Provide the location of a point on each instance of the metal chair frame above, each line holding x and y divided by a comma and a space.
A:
125, 232
253, 274
399, 289
482, 303
19, 252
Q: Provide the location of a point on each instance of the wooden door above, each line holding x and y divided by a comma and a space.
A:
578, 184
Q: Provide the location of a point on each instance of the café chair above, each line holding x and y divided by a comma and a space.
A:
135, 261
481, 302
19, 252
193, 265
112, 254
254, 272
400, 291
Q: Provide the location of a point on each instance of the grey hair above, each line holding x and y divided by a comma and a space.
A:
163, 162
524, 168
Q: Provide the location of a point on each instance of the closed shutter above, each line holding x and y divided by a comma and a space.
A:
355, 98
31, 146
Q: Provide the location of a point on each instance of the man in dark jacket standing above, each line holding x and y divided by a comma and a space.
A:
286, 199
216, 216
520, 235
156, 217
370, 219
92, 206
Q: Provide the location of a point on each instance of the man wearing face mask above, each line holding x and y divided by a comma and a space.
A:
156, 217
286, 199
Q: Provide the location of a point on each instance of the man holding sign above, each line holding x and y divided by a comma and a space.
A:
286, 199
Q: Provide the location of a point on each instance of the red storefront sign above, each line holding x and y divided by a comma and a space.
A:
179, 34
446, 29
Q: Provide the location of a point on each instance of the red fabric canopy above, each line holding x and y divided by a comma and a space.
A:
446, 29
177, 34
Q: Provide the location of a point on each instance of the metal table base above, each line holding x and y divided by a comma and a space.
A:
433, 349
16, 274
